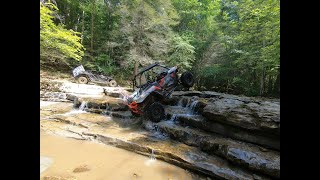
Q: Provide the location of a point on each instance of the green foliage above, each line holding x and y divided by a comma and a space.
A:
145, 30
105, 64
249, 33
181, 52
230, 46
56, 42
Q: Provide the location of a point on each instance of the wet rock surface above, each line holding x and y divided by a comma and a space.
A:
244, 154
247, 119
263, 117
218, 135
62, 90
234, 132
140, 141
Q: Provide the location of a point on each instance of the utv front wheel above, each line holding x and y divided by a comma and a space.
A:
82, 80
112, 83
155, 112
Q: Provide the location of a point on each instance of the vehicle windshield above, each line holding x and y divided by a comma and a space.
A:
149, 75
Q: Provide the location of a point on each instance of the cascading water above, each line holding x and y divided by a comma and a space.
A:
83, 106
173, 117
193, 105
124, 96
180, 102
152, 156
152, 159
81, 109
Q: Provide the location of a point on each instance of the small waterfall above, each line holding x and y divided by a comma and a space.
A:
151, 160
173, 117
152, 156
193, 105
123, 93
83, 106
81, 109
180, 102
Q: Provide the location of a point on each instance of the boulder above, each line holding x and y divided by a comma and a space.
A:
244, 154
262, 117
233, 132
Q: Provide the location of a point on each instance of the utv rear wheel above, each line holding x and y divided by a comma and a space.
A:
155, 112
83, 80
112, 83
187, 79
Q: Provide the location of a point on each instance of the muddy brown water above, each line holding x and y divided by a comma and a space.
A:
101, 162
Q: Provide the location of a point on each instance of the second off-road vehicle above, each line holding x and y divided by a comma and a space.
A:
84, 77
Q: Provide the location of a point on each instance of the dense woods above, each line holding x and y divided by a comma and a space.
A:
230, 46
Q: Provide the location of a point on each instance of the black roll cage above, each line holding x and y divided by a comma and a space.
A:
144, 70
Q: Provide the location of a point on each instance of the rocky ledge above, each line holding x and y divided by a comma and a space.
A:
247, 119
222, 136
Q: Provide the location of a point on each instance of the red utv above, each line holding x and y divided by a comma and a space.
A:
154, 84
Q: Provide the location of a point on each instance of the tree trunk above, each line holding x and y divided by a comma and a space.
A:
262, 80
136, 66
270, 85
276, 86
82, 30
138, 43
263, 76
92, 23
78, 21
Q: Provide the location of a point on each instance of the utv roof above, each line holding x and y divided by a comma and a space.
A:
150, 67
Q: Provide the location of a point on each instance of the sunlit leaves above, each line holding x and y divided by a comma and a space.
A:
57, 39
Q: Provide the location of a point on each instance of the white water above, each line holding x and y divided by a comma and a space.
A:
81, 88
83, 106
180, 102
81, 109
173, 117
45, 163
46, 103
193, 105
152, 159
124, 94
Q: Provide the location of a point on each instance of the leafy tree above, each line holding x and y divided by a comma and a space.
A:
181, 52
56, 42
145, 30
230, 46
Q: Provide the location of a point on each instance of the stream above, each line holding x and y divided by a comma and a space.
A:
205, 135
99, 161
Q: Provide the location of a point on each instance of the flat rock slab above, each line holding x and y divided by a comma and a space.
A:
258, 114
102, 102
133, 138
263, 117
46, 103
226, 130
91, 89
244, 154
48, 108
45, 163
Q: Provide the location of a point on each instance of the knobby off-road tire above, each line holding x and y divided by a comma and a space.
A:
187, 79
112, 83
155, 112
83, 80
